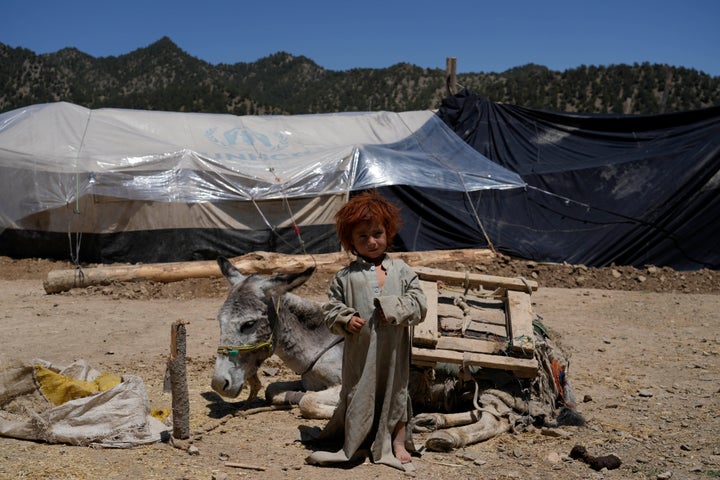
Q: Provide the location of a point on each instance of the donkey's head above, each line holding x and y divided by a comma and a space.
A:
247, 319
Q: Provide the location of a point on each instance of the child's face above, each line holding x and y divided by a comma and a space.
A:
369, 240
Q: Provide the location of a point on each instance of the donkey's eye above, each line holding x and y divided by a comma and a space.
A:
247, 326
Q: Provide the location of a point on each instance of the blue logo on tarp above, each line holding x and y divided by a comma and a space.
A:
245, 139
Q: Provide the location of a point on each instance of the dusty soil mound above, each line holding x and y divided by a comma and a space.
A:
548, 275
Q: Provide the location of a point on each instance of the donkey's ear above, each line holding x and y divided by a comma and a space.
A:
229, 271
283, 283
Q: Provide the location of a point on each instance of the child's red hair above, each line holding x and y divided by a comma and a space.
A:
366, 207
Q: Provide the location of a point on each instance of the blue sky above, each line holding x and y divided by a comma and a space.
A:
483, 36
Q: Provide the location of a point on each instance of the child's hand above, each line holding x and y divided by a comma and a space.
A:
379, 310
355, 324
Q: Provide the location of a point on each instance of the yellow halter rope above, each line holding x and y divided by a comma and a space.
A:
232, 350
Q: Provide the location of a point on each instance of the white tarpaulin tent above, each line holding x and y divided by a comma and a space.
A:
130, 185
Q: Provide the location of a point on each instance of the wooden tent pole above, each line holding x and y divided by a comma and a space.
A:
451, 75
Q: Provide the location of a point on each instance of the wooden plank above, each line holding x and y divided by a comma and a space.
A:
453, 325
488, 328
520, 317
470, 345
489, 316
428, 332
476, 279
521, 367
449, 310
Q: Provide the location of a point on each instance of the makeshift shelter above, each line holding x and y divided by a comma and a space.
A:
601, 189
113, 185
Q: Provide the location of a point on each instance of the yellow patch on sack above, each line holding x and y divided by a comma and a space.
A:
160, 413
106, 381
59, 388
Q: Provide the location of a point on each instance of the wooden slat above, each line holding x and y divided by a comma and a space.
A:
427, 332
475, 279
486, 311
521, 367
470, 345
494, 317
488, 328
453, 326
520, 317
449, 310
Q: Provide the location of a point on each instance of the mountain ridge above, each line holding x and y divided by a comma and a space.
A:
162, 76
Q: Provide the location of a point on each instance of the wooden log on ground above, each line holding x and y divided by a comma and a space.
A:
178, 381
256, 262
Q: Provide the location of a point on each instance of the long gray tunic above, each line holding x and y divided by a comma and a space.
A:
376, 362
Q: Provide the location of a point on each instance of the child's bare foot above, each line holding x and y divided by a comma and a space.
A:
398, 444
401, 452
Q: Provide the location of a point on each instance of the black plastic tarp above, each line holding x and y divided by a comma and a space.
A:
602, 189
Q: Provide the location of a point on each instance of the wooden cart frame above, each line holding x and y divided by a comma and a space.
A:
511, 343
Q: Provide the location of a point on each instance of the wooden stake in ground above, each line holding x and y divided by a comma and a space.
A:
178, 381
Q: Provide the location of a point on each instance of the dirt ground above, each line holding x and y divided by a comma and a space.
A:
644, 347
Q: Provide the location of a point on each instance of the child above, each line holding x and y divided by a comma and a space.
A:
372, 302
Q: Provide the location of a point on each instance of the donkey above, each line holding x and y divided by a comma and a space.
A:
260, 317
